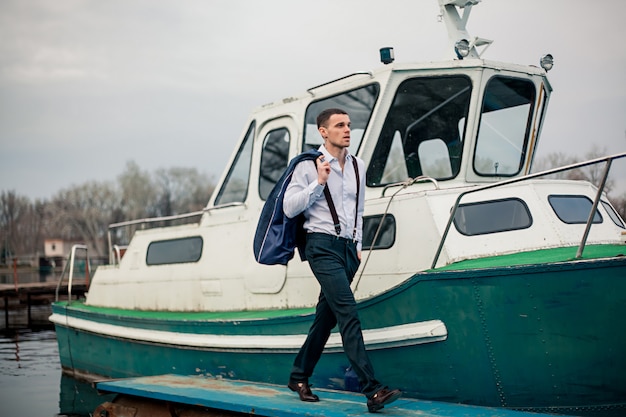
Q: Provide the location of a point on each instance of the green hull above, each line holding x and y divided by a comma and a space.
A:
534, 337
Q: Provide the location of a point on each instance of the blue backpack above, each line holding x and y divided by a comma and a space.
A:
277, 235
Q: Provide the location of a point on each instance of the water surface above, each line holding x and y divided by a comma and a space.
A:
31, 384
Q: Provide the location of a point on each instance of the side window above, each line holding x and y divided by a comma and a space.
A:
492, 216
175, 251
235, 187
386, 233
357, 103
274, 160
504, 127
573, 209
613, 214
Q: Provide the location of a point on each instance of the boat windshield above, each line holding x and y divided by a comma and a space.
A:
423, 132
505, 126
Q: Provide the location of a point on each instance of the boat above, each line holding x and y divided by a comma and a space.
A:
481, 282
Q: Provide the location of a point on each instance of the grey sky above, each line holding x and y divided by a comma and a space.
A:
87, 85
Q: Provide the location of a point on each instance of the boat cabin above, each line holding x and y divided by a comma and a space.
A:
428, 133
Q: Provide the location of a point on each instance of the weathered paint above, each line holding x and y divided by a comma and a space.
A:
277, 401
520, 337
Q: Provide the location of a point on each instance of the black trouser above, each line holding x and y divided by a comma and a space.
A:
334, 262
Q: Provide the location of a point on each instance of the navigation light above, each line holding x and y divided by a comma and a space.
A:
462, 48
386, 55
547, 62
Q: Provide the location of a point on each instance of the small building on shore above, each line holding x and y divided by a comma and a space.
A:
56, 252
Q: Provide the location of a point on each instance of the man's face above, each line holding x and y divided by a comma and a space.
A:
337, 131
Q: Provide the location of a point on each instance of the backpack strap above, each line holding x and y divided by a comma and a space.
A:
331, 204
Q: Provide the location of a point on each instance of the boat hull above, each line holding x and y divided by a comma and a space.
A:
533, 337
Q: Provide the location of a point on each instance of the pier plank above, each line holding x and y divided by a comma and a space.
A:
18, 302
277, 401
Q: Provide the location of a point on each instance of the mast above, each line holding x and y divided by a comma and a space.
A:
461, 41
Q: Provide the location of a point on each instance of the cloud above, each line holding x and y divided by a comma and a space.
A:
87, 85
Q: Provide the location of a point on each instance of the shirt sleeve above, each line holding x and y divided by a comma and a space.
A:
303, 189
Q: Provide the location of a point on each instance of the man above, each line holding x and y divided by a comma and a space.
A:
334, 254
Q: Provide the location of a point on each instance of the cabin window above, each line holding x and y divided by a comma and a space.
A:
423, 131
274, 160
235, 186
175, 251
386, 235
613, 214
573, 209
504, 127
492, 217
357, 103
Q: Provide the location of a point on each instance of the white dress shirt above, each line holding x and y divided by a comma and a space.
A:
305, 194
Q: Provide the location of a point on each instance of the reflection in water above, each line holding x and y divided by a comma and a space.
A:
31, 383
17, 351
78, 398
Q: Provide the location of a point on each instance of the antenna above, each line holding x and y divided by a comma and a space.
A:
461, 42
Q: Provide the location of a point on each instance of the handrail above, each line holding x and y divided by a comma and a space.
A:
148, 220
309, 90
402, 185
173, 217
607, 159
70, 261
592, 212
117, 254
410, 181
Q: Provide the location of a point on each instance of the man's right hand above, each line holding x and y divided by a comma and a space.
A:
323, 170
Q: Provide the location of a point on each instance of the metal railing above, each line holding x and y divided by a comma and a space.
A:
408, 183
608, 159
114, 253
70, 265
402, 185
310, 90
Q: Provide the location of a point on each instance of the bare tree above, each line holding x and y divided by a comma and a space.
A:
554, 160
591, 173
30, 228
138, 192
620, 205
182, 190
20, 226
84, 212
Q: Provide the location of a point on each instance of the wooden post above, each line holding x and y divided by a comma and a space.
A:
6, 312
30, 317
15, 273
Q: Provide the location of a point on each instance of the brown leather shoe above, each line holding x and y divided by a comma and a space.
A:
383, 397
304, 391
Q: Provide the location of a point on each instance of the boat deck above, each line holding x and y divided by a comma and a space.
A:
277, 401
540, 256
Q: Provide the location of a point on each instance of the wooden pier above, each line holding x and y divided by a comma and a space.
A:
27, 305
195, 396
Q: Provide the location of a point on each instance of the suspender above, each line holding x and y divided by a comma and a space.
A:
331, 204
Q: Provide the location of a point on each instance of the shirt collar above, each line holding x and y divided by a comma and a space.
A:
329, 157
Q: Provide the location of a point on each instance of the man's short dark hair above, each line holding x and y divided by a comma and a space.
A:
322, 118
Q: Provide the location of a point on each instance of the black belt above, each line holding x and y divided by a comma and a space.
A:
326, 236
